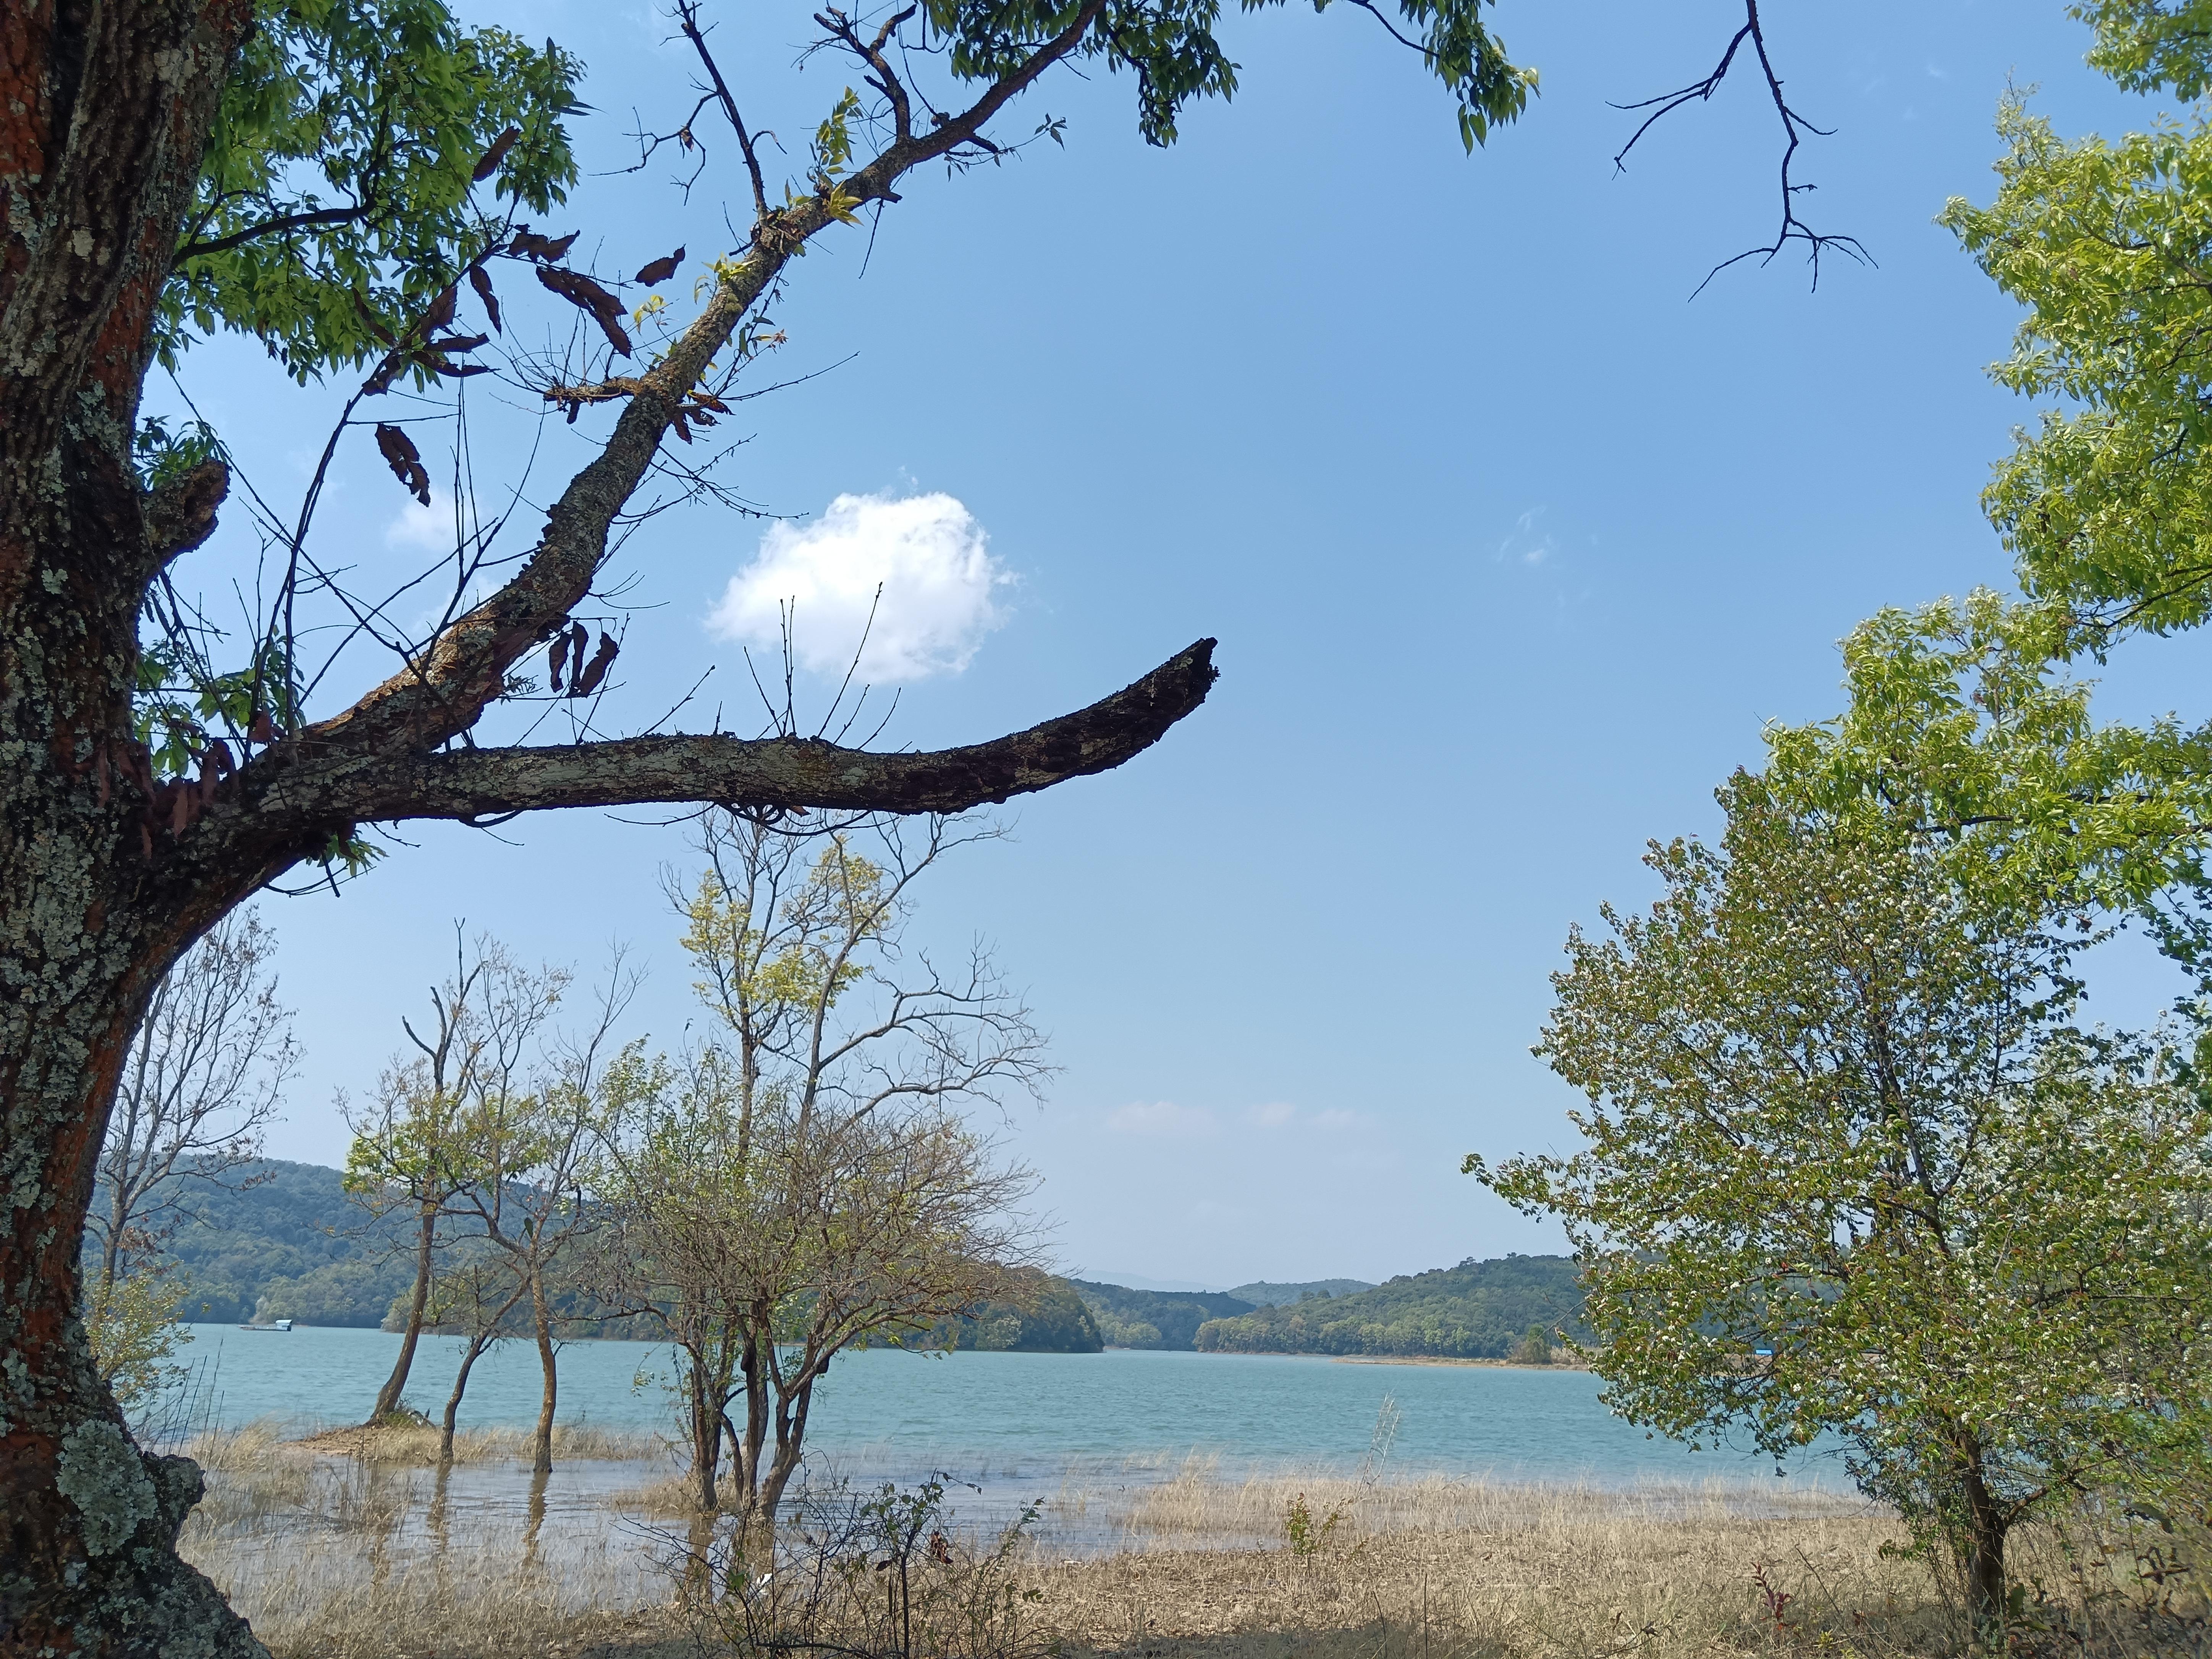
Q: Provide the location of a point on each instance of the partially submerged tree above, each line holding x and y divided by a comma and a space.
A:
1850, 1169
806, 1184
474, 1300
530, 1136
412, 1147
686, 1192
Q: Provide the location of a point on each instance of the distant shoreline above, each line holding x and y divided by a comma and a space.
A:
1434, 1359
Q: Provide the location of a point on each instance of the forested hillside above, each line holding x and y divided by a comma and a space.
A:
293, 1245
1477, 1310
293, 1236
1263, 1293
1154, 1319
1047, 1315
284, 1239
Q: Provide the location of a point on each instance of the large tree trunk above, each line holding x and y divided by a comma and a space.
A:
103, 114
387, 1397
89, 1564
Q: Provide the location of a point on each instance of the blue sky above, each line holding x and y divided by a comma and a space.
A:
1510, 544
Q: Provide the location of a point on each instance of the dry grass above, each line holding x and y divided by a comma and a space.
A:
1442, 1569
1198, 1508
1458, 1568
417, 1443
354, 1556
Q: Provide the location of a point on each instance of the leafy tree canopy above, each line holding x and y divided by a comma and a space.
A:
339, 194
2109, 244
1962, 727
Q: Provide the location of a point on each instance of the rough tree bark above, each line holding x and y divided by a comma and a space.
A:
426, 1240
104, 110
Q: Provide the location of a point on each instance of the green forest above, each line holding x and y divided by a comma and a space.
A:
1477, 1310
283, 1241
285, 1232
1048, 1314
1130, 1318
1263, 1293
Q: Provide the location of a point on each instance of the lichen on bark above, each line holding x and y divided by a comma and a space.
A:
103, 1473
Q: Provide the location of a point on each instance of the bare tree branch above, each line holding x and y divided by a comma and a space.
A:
795, 772
1795, 127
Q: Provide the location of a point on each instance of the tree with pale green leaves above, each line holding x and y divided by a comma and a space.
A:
2108, 245
1850, 1169
806, 1182
416, 1145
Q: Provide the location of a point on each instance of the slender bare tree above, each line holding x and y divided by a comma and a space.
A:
474, 1301
530, 1138
205, 1076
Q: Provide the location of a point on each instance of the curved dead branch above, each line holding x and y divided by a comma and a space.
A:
792, 772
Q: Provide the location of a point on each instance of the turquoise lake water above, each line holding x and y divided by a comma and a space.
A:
1015, 1415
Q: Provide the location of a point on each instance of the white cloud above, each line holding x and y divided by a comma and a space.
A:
1273, 1116
424, 529
1162, 1118
931, 559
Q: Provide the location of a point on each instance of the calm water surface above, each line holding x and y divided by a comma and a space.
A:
1014, 1415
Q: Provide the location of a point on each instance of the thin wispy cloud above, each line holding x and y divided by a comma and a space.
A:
939, 589
1529, 542
420, 529
1163, 1119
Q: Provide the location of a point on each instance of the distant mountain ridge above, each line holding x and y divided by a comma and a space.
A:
1477, 1310
1262, 1294
292, 1245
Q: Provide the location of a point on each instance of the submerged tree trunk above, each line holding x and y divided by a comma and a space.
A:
542, 1322
748, 1459
469, 1355
387, 1397
790, 1443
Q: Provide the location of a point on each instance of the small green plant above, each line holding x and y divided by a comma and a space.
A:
1307, 1537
